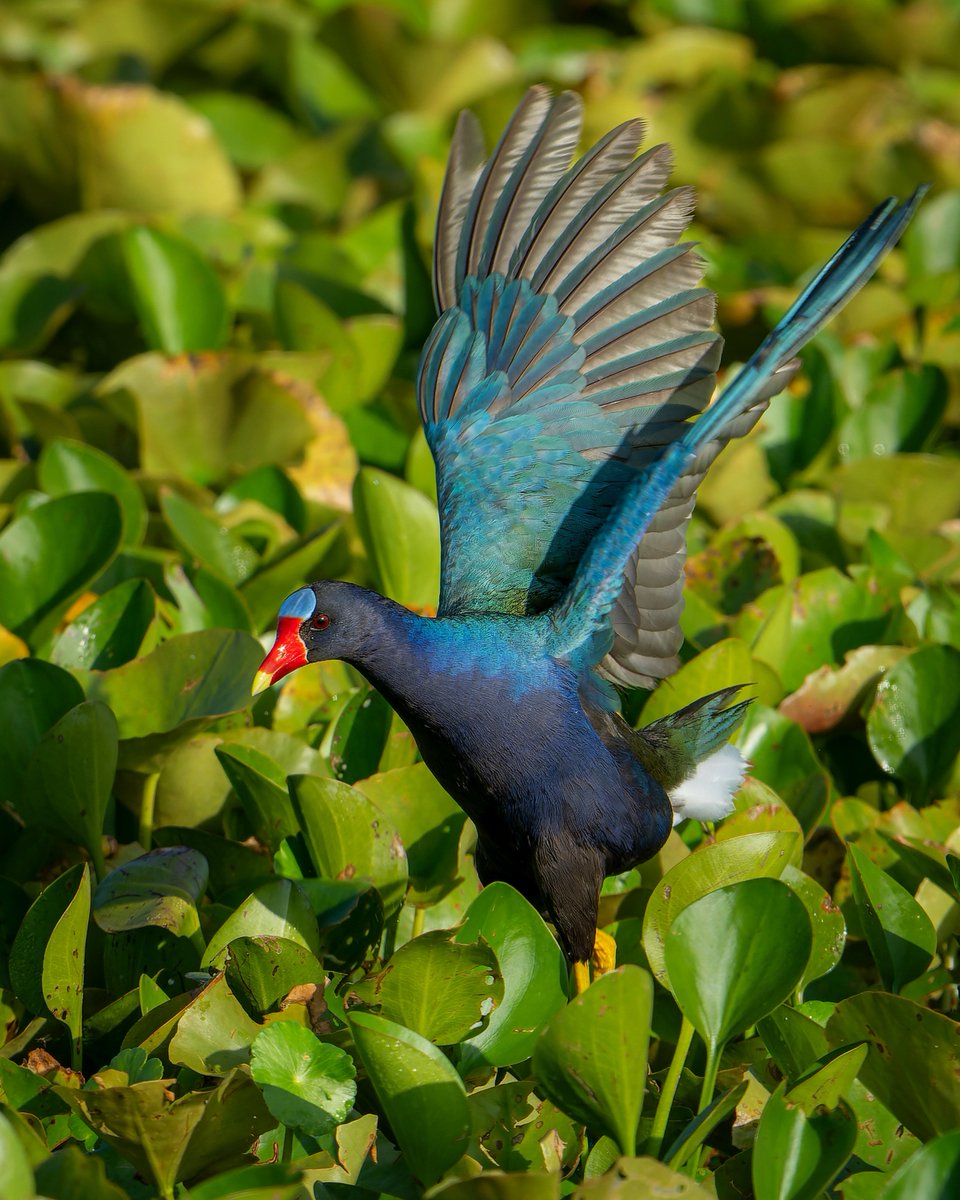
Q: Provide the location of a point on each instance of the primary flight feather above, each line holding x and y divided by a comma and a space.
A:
564, 393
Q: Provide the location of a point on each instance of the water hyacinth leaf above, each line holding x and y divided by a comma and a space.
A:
781, 755
429, 822
933, 1171
826, 921
308, 1085
276, 909
271, 487
263, 1181
913, 1065
162, 888
725, 664
827, 1082
348, 837
233, 865
829, 695
71, 1171
49, 555
321, 555
501, 1185
768, 815
752, 856
796, 1155
188, 678
440, 988
191, 789
70, 776
64, 958
913, 726
32, 306
16, 1175
262, 971
251, 132
35, 933
590, 1057
920, 490
534, 975
33, 696
260, 785
766, 936
207, 540
421, 1094
899, 933
401, 533
901, 410
213, 1032
700, 1128
356, 740
66, 467
110, 631
178, 297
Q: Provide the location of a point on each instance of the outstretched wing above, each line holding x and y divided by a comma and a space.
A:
574, 345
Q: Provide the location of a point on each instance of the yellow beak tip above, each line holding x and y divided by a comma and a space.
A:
261, 681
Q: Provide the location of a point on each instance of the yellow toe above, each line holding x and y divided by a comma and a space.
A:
604, 953
581, 977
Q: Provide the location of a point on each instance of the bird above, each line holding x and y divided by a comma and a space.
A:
565, 393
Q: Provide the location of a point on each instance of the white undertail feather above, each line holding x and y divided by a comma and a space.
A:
707, 795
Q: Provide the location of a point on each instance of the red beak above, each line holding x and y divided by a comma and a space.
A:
287, 654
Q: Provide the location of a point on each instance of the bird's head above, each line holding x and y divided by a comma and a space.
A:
315, 623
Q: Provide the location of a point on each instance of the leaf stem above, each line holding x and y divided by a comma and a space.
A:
418, 915
148, 802
669, 1090
287, 1152
710, 1076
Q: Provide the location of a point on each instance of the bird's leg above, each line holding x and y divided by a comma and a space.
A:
581, 977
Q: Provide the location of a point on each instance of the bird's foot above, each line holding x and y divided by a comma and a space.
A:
603, 959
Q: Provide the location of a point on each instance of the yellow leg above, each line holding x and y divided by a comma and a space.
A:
604, 953
603, 959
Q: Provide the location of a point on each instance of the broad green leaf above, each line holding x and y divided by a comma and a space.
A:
263, 1181
50, 555
765, 932
724, 664
400, 531
67, 467
191, 789
251, 132
641, 1177
828, 696
32, 306
781, 755
315, 556
27, 952
349, 837
64, 959
34, 695
260, 785
826, 921
534, 975
178, 297
797, 1155
71, 774
421, 1094
501, 1185
308, 1084
356, 739
913, 726
591, 1057
901, 938
429, 822
921, 490
162, 887
109, 632
753, 856
261, 971
439, 988
933, 1172
232, 864
511, 1121
72, 1172
827, 1082
213, 1032
207, 540
913, 1066
276, 909
700, 1128
350, 917
16, 1177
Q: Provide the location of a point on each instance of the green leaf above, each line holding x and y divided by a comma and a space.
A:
796, 1155
350, 916
64, 959
913, 726
725, 664
781, 755
16, 1177
933, 1172
207, 540
751, 856
213, 1032
50, 554
308, 1085
260, 786
349, 837
440, 988
162, 888
261, 971
67, 467
765, 932
591, 1057
109, 632
34, 934
357, 738
400, 531
276, 909
901, 938
33, 696
826, 921
700, 1128
913, 1066
70, 777
421, 1094
526, 951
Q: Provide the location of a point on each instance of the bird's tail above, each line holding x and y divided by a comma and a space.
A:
582, 613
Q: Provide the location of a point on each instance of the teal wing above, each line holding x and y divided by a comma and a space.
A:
574, 345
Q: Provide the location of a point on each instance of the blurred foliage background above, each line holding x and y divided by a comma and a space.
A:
215, 229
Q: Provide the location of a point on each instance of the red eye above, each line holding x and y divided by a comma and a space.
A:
320, 621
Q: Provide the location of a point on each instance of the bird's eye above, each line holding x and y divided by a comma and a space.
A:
320, 621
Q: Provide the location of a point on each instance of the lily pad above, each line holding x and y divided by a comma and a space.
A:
308, 1084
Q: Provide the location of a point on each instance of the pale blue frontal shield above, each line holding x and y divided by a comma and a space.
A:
299, 604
